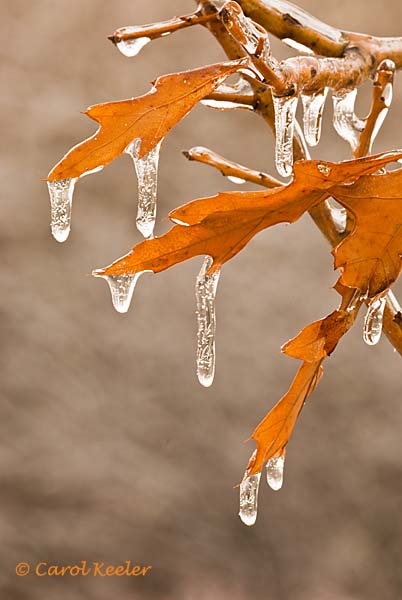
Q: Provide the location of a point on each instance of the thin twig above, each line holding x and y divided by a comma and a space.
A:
157, 30
229, 168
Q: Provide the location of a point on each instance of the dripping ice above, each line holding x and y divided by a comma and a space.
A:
249, 498
121, 287
346, 123
132, 47
373, 321
61, 197
147, 176
313, 107
205, 291
275, 468
285, 111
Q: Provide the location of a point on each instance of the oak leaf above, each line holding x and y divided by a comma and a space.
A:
149, 117
220, 226
370, 257
312, 345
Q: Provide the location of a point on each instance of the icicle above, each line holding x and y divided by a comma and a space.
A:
339, 215
61, 197
346, 124
275, 468
121, 288
373, 321
131, 47
313, 107
147, 175
249, 498
285, 111
205, 291
238, 180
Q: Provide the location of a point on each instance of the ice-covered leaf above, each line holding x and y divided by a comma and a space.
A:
370, 257
220, 226
149, 118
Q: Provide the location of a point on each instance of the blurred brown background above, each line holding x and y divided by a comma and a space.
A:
110, 450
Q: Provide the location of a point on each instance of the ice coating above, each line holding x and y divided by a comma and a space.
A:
61, 198
237, 180
205, 292
275, 467
249, 498
147, 176
313, 107
373, 321
241, 88
285, 111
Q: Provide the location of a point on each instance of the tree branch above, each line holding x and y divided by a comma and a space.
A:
229, 168
318, 36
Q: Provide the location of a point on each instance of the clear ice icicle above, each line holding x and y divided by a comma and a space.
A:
275, 468
121, 288
339, 215
346, 124
205, 292
285, 111
61, 198
147, 176
131, 48
373, 321
313, 107
249, 498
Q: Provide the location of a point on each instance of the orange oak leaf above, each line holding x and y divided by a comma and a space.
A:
220, 226
149, 117
370, 257
274, 431
312, 345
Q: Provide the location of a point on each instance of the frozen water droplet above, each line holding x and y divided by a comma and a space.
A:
147, 176
61, 198
275, 468
324, 169
131, 48
285, 111
249, 498
237, 180
346, 124
205, 292
373, 321
313, 107
121, 288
